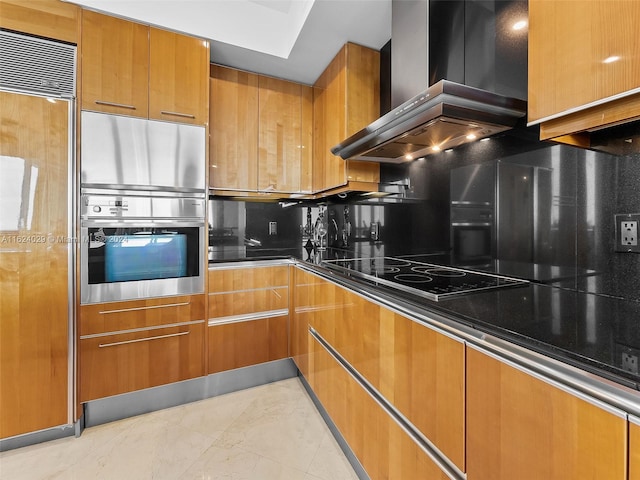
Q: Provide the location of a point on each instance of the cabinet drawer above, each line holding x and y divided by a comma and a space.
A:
242, 279
240, 344
114, 364
117, 316
248, 301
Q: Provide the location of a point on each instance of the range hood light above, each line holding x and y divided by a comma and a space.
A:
435, 148
485, 139
448, 150
519, 25
471, 136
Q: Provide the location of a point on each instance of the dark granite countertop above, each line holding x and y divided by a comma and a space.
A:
592, 332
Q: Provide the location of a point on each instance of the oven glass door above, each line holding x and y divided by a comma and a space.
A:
132, 262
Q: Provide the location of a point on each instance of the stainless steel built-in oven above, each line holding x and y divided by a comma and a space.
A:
141, 245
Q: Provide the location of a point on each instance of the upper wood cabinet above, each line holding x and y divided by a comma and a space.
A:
346, 99
115, 65
233, 142
521, 426
569, 77
45, 18
261, 133
178, 77
132, 69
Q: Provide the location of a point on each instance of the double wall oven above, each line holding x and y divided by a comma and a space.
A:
142, 209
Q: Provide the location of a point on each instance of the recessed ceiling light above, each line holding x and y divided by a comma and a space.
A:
448, 150
611, 59
435, 148
520, 25
471, 136
485, 139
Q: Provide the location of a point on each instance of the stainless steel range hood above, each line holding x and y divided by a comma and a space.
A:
444, 116
474, 65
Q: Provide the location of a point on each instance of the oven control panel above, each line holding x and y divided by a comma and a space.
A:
141, 207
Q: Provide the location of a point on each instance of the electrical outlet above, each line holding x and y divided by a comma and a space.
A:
627, 232
630, 362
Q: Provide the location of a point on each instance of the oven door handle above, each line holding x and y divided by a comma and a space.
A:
143, 222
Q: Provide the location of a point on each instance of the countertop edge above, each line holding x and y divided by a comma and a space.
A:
576, 380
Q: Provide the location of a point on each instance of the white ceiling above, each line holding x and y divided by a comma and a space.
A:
291, 39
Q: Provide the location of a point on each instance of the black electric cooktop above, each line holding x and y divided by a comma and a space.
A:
435, 282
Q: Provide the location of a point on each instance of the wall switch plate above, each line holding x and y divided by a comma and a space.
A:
627, 232
630, 362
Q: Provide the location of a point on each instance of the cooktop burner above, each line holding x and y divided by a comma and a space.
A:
435, 282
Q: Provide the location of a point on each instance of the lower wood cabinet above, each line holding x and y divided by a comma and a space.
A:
244, 343
248, 316
382, 447
519, 426
634, 448
128, 346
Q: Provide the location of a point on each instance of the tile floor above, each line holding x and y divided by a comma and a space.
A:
271, 432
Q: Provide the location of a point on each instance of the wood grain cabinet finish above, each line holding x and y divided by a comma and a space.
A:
128, 346
233, 143
634, 448
417, 369
46, 18
568, 43
178, 77
346, 98
114, 65
382, 447
519, 426
261, 133
34, 316
284, 136
248, 316
136, 70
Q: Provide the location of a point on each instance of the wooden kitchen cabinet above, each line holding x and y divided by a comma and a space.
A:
178, 77
136, 70
284, 136
568, 78
233, 144
128, 346
114, 65
45, 18
634, 448
520, 426
384, 449
417, 369
248, 316
346, 98
261, 133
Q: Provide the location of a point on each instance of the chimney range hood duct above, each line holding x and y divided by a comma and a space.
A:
448, 113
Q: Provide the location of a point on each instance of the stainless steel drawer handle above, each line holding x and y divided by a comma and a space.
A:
111, 104
102, 345
104, 312
177, 114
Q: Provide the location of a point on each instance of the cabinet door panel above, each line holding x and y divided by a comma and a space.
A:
241, 344
115, 364
178, 77
115, 65
233, 144
235, 279
242, 303
45, 18
280, 135
34, 321
521, 427
634, 449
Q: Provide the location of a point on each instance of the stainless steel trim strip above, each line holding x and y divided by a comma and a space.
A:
586, 106
166, 305
226, 292
247, 317
72, 196
142, 190
141, 329
250, 264
119, 105
177, 114
103, 345
419, 439
142, 222
470, 224
561, 386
